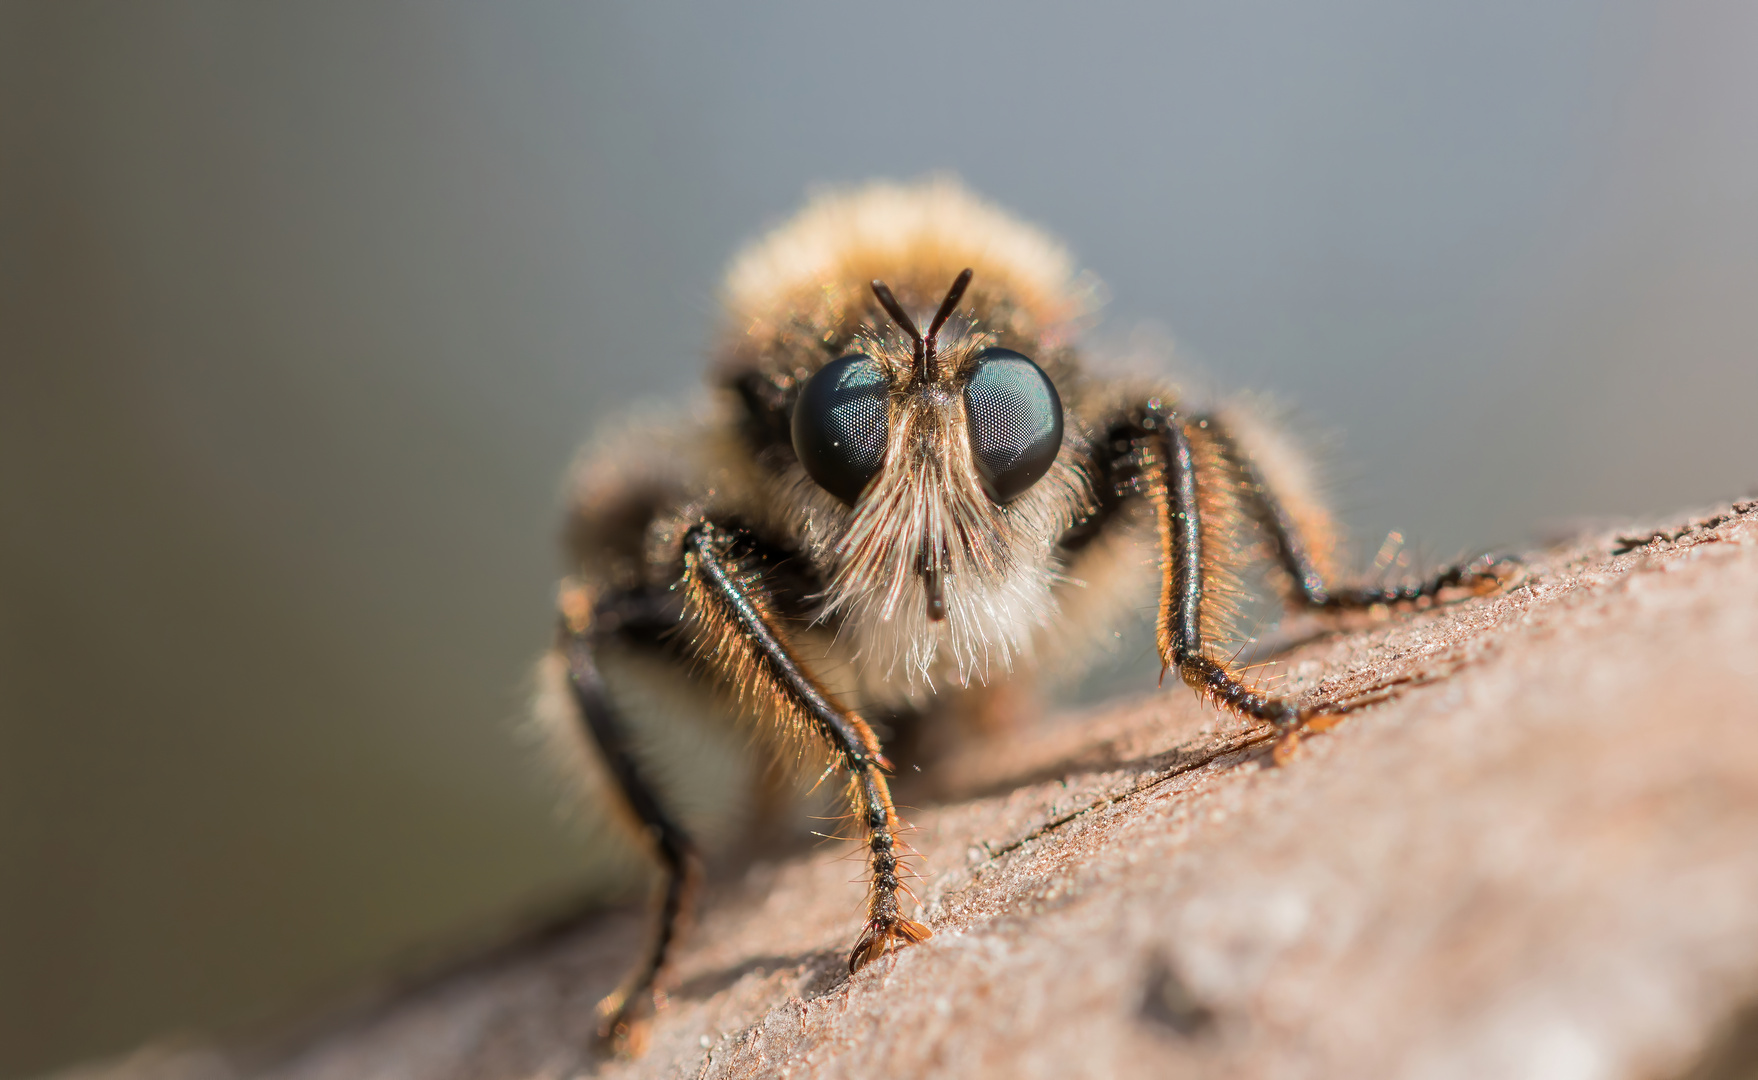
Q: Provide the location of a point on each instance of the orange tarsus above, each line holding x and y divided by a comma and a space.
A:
876, 939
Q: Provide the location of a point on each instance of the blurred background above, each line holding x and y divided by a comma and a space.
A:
304, 307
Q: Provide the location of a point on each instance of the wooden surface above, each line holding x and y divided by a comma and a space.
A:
1538, 858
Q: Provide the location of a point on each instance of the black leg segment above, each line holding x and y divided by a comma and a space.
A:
730, 615
627, 1011
1311, 590
1168, 479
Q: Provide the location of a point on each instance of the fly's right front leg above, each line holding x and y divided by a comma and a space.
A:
734, 628
723, 612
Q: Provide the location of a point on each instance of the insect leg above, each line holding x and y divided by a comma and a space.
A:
628, 1011
737, 633
1168, 480
1294, 550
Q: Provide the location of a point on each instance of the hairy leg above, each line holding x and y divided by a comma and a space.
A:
628, 1012
1295, 545
734, 628
1167, 478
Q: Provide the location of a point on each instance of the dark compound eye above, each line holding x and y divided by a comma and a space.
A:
1015, 419
840, 423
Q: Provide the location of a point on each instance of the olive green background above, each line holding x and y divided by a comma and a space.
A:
304, 306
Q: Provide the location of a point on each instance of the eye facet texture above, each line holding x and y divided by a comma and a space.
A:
840, 423
1015, 418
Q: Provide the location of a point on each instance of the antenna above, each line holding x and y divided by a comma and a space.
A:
926, 351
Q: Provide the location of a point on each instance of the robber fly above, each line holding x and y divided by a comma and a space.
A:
909, 485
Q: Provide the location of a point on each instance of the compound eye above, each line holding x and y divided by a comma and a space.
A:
1015, 419
840, 423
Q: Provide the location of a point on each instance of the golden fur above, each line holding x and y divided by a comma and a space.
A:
804, 287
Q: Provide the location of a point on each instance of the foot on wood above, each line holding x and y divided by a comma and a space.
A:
626, 1021
879, 936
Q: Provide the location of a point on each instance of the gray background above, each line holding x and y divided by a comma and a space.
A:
303, 308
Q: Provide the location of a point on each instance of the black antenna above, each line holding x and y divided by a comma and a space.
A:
901, 318
925, 347
952, 297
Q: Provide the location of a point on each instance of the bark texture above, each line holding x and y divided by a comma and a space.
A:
1537, 856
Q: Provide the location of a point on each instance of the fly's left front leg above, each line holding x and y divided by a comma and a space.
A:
1168, 479
737, 633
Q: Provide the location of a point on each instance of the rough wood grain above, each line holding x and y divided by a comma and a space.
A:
1537, 858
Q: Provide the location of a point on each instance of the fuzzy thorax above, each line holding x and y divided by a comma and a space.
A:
926, 516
